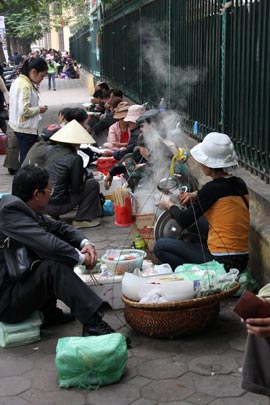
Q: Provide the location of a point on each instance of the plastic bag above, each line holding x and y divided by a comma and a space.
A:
247, 283
108, 208
19, 334
90, 362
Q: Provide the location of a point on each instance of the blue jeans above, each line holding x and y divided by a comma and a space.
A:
26, 141
51, 78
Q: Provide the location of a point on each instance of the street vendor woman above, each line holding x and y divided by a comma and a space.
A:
224, 202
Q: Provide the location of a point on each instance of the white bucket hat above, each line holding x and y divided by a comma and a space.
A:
73, 132
215, 151
134, 112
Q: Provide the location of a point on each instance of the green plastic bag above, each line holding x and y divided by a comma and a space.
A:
90, 362
23, 333
246, 283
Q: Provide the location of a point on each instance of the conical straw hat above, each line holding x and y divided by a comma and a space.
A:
73, 132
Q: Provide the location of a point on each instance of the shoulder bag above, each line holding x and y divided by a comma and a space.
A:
19, 260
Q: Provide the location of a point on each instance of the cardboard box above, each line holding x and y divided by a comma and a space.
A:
144, 225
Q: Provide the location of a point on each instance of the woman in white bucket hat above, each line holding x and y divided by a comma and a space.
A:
224, 202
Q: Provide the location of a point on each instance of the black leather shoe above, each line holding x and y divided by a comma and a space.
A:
97, 327
56, 316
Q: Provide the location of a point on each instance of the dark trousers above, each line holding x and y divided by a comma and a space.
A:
48, 282
51, 79
3, 125
177, 252
26, 141
88, 203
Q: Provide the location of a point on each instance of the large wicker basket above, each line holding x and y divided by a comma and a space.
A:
168, 320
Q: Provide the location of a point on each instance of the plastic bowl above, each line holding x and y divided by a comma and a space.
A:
119, 267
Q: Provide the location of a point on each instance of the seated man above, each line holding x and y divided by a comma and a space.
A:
67, 175
134, 166
58, 247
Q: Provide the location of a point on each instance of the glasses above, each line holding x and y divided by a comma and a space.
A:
51, 190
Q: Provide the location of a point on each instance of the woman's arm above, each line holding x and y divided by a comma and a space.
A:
4, 91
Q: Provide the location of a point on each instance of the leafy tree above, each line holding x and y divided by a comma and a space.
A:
27, 20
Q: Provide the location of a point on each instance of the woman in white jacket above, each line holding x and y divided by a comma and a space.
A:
24, 109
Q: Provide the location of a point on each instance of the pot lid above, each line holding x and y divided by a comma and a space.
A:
167, 184
166, 227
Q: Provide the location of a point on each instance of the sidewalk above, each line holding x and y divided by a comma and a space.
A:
202, 369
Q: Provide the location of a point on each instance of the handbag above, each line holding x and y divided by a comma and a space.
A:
4, 115
19, 260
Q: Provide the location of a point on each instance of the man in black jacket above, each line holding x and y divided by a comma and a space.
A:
58, 246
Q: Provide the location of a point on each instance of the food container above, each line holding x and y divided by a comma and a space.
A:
123, 261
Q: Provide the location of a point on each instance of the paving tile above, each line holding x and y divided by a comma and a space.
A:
206, 365
162, 368
44, 380
149, 351
62, 396
145, 402
11, 386
168, 390
15, 367
200, 399
46, 363
139, 381
236, 401
117, 394
220, 386
13, 401
238, 344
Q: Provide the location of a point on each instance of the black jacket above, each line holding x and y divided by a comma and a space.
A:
66, 173
46, 237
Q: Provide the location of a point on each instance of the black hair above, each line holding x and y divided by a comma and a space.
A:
103, 87
98, 93
106, 94
141, 140
1, 70
78, 114
39, 64
117, 93
27, 180
65, 112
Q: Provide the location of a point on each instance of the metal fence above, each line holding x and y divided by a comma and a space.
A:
210, 63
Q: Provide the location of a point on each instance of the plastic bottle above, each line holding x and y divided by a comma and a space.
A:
162, 105
195, 128
139, 242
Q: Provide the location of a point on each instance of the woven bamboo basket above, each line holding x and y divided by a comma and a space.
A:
178, 318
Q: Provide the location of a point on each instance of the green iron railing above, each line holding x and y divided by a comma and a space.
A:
210, 63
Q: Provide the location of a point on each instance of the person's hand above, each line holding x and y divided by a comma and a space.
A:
117, 144
187, 197
108, 181
108, 153
43, 109
259, 327
90, 255
165, 202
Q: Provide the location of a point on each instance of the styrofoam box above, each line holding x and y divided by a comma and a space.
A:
109, 289
116, 183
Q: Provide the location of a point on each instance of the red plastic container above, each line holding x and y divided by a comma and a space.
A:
104, 164
123, 216
3, 143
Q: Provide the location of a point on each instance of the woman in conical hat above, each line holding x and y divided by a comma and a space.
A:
67, 177
224, 202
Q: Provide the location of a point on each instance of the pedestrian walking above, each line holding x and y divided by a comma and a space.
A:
52, 70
